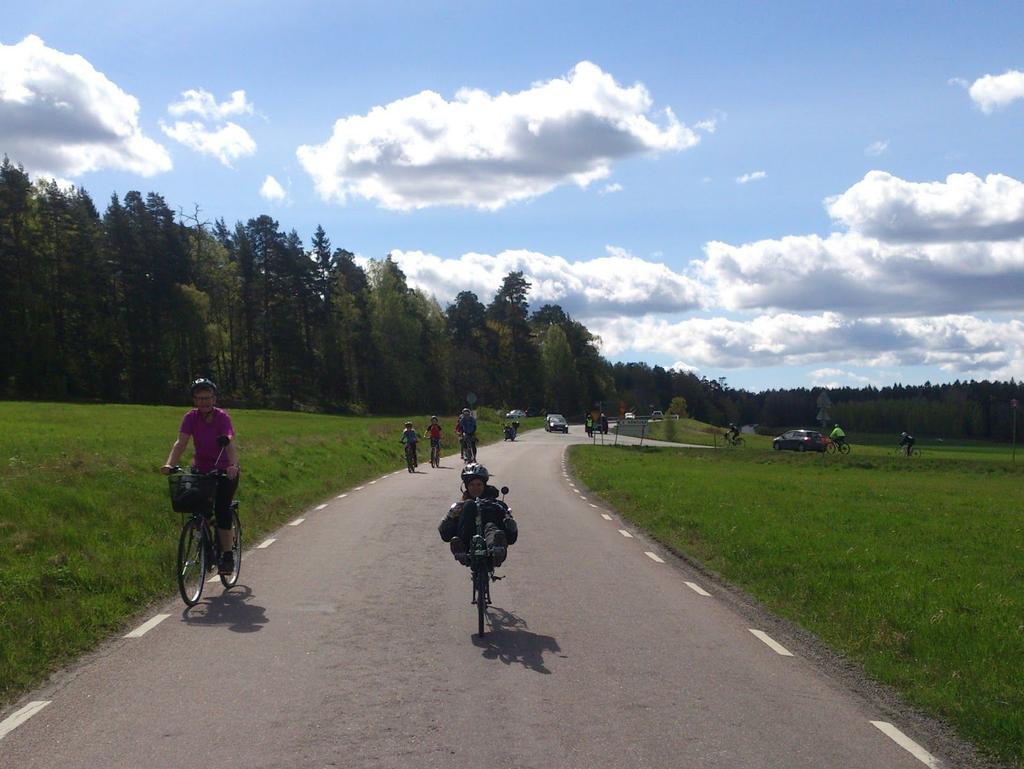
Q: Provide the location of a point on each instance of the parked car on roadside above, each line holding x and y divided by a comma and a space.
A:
629, 415
800, 440
555, 423
515, 414
657, 415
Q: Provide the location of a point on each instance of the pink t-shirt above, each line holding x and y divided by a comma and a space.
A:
204, 437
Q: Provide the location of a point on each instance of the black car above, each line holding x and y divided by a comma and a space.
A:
800, 440
555, 423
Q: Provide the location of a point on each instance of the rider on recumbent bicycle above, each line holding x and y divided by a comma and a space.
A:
499, 528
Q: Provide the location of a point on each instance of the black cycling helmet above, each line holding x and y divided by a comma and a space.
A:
202, 384
475, 470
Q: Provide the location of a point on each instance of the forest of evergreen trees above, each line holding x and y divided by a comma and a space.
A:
132, 304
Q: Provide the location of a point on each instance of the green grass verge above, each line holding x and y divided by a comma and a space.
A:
915, 569
87, 536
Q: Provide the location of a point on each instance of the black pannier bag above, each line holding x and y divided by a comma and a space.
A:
191, 493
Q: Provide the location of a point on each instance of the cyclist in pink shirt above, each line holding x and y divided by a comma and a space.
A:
204, 425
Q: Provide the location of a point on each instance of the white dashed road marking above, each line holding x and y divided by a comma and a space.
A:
583, 498
341, 496
18, 717
320, 507
654, 557
697, 589
358, 488
772, 643
592, 505
145, 627
625, 533
606, 516
266, 543
907, 744
297, 521
372, 482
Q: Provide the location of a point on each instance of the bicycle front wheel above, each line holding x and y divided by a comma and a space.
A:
192, 561
481, 599
230, 580
844, 448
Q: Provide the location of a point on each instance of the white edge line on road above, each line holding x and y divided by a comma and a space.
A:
592, 505
145, 627
358, 488
697, 589
341, 496
320, 507
572, 484
583, 498
372, 482
654, 557
266, 543
297, 521
18, 717
606, 516
907, 744
625, 533
772, 643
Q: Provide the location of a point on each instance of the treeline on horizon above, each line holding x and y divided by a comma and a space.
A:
131, 305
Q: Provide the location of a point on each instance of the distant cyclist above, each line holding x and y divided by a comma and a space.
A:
434, 433
410, 439
204, 424
837, 435
466, 428
733, 433
907, 442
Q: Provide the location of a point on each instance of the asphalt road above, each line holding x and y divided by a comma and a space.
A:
350, 643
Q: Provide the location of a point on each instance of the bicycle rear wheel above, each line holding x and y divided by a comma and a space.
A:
230, 580
192, 549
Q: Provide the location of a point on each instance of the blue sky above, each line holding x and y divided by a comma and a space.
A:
907, 119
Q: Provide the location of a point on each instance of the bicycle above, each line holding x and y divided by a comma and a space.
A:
481, 565
907, 451
410, 457
838, 447
731, 440
468, 446
435, 452
199, 549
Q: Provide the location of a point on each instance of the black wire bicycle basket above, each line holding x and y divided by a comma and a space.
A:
192, 493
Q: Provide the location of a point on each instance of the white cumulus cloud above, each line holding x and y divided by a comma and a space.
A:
615, 284
485, 151
960, 345
203, 104
608, 189
992, 91
961, 208
227, 143
62, 117
751, 177
272, 190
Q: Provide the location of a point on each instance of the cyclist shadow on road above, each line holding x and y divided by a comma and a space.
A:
508, 640
231, 608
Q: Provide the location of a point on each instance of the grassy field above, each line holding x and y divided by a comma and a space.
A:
87, 536
914, 568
